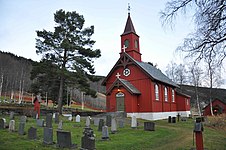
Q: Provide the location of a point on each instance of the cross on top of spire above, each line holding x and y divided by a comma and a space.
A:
128, 8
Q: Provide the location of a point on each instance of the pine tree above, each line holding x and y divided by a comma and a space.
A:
70, 47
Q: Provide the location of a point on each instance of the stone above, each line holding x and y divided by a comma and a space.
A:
40, 122
49, 118
113, 125
149, 126
169, 119
56, 117
2, 123
77, 118
88, 121
60, 125
183, 119
12, 125
70, 118
32, 133
105, 134
121, 123
48, 135
134, 122
88, 140
96, 121
101, 124
23, 119
173, 120
64, 139
108, 120
11, 116
21, 128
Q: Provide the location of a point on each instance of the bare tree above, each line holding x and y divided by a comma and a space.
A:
210, 20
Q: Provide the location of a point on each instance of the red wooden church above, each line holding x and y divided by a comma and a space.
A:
139, 88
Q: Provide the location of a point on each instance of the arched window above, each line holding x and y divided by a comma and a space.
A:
173, 96
156, 92
166, 94
136, 43
126, 43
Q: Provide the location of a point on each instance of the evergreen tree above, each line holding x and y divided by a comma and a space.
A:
70, 48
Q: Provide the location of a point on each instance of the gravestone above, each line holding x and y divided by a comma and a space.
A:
88, 140
21, 128
105, 134
48, 135
88, 121
49, 118
60, 125
11, 116
113, 125
173, 120
183, 119
169, 119
101, 124
40, 122
54, 115
64, 139
134, 122
121, 123
2, 123
96, 121
56, 118
23, 119
70, 118
32, 133
77, 118
108, 120
149, 126
12, 125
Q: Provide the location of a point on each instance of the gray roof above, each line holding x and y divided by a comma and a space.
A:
155, 73
129, 86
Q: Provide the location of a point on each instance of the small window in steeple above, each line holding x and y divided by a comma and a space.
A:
126, 43
136, 43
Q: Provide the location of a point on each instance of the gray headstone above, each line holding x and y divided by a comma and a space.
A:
49, 118
64, 139
70, 118
77, 118
113, 125
32, 133
11, 116
88, 121
96, 121
149, 126
105, 134
23, 119
101, 124
108, 120
60, 125
57, 117
121, 123
173, 120
134, 122
48, 135
88, 140
40, 122
12, 125
21, 128
183, 119
2, 123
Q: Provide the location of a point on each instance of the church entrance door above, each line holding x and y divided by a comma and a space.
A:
120, 98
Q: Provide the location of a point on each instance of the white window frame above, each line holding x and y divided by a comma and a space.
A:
173, 95
156, 92
166, 94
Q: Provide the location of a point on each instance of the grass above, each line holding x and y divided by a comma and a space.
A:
177, 136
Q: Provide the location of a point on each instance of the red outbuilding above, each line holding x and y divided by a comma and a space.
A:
219, 107
139, 88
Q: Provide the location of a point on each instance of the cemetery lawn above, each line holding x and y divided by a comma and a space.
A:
166, 136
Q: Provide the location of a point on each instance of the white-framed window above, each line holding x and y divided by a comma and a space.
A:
173, 95
156, 92
166, 94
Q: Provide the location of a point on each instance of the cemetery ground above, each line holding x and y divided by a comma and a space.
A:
170, 136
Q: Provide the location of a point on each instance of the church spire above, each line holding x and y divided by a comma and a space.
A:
129, 28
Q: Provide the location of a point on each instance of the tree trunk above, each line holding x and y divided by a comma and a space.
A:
60, 97
1, 83
197, 100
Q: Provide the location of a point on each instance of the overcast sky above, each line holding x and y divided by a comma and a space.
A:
21, 18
